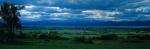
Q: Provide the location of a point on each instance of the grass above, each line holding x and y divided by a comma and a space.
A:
63, 44
67, 44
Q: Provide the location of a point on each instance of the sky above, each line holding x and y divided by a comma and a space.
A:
88, 12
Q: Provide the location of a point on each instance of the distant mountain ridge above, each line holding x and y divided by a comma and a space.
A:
87, 23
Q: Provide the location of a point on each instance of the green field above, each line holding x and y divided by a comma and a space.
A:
32, 42
61, 44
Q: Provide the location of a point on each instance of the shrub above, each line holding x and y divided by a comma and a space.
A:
22, 35
109, 37
44, 37
83, 39
54, 35
139, 37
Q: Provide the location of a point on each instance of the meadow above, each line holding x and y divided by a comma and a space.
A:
61, 44
80, 38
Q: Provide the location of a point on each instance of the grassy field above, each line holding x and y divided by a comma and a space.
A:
71, 33
62, 44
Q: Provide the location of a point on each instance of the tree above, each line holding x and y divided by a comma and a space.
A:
10, 15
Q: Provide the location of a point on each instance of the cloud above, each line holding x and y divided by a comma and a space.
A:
140, 9
147, 15
46, 8
141, 2
100, 14
25, 12
43, 12
33, 17
58, 9
140, 13
56, 19
119, 20
30, 6
59, 14
66, 16
78, 4
30, 16
101, 10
